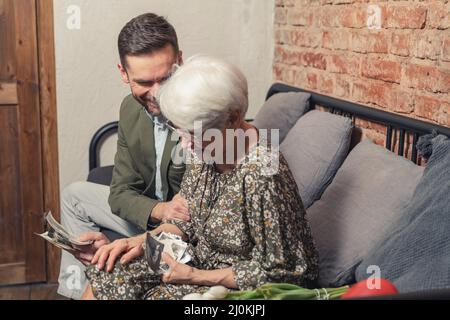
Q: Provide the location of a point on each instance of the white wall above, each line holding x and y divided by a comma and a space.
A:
89, 90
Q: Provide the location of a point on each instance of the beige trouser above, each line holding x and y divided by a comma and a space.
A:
84, 208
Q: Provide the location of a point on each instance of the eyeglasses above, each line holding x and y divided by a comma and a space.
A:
182, 132
170, 126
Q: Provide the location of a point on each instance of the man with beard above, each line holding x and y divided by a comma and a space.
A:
145, 181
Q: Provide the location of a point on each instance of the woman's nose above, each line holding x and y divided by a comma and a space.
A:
186, 142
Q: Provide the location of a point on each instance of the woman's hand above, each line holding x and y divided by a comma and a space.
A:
183, 274
176, 209
130, 248
178, 272
85, 254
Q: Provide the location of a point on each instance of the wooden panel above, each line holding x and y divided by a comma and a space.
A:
39, 291
49, 129
45, 292
7, 41
15, 293
8, 93
11, 236
27, 132
30, 137
13, 273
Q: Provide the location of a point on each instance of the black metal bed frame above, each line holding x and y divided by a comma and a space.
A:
394, 123
96, 142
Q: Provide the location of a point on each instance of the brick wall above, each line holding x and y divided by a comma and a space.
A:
401, 63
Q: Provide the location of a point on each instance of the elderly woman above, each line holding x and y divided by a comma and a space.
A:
248, 224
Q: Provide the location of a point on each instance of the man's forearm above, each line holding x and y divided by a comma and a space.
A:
156, 214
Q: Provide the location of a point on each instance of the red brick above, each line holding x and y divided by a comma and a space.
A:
300, 17
374, 42
444, 85
376, 93
381, 70
305, 38
406, 17
422, 77
342, 87
287, 55
325, 84
343, 1
444, 115
286, 3
446, 49
403, 102
352, 17
284, 73
339, 40
315, 60
438, 15
280, 15
277, 71
282, 36
427, 44
400, 44
343, 64
311, 80
330, 17
427, 107
381, 128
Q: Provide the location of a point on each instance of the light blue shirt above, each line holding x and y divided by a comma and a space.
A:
160, 132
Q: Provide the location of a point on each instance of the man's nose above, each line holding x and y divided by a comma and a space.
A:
154, 89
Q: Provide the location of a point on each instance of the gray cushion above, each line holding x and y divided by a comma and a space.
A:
315, 149
415, 254
281, 111
364, 199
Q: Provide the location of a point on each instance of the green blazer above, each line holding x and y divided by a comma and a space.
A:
132, 191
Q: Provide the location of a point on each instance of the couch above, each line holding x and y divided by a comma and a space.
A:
365, 202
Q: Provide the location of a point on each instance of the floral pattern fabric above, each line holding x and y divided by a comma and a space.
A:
250, 219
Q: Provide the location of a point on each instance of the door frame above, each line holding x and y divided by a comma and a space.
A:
49, 129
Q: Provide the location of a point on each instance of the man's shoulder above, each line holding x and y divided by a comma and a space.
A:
130, 104
129, 110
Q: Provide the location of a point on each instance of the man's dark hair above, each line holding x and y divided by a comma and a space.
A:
146, 34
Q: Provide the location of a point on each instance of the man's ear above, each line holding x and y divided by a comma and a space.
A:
123, 74
180, 57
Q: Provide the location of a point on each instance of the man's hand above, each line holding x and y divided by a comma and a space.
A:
130, 248
178, 272
177, 209
87, 252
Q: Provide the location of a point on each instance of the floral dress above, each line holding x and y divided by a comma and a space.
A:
250, 219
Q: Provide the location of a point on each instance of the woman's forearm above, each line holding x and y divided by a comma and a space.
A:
169, 228
223, 277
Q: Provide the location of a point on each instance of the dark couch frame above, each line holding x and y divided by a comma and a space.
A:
397, 127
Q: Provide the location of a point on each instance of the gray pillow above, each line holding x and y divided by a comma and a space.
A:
415, 254
364, 199
315, 149
281, 111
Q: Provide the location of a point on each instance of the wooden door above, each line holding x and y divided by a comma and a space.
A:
22, 253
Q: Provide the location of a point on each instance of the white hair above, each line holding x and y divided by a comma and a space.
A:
203, 89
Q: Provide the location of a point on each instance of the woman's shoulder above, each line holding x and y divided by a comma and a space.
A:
264, 163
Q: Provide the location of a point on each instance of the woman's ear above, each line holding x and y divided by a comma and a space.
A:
234, 119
